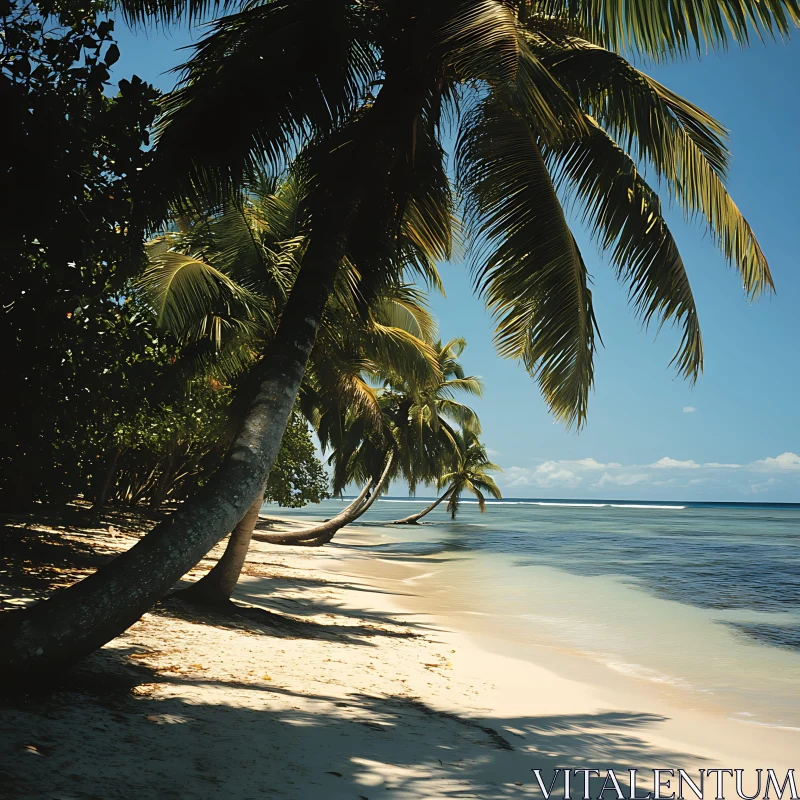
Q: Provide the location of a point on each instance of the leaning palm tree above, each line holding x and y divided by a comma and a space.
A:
470, 473
368, 89
418, 432
466, 470
379, 463
218, 283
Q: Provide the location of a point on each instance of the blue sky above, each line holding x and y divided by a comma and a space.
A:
651, 435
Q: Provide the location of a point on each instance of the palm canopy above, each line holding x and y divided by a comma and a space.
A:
470, 473
419, 425
220, 281
547, 110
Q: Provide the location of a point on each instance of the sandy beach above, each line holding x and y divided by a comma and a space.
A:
342, 681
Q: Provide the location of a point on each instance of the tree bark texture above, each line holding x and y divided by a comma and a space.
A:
216, 586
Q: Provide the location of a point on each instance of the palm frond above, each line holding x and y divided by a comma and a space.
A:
625, 216
188, 293
527, 263
461, 414
486, 483
169, 12
483, 41
684, 144
479, 38
239, 235
608, 86
407, 313
663, 29
312, 59
408, 355
468, 384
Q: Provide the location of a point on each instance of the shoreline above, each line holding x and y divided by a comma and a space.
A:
709, 732
347, 681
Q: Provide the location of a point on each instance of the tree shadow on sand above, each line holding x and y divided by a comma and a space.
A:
112, 745
271, 619
38, 554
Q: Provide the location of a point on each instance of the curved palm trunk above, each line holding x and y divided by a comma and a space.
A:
216, 586
344, 517
323, 533
79, 619
414, 518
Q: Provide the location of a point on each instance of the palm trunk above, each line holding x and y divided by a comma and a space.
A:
414, 518
350, 513
216, 587
79, 619
322, 534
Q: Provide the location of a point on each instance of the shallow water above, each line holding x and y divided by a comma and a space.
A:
699, 600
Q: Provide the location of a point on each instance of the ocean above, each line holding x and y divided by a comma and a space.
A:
701, 600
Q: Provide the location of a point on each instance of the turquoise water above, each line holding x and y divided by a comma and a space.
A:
702, 600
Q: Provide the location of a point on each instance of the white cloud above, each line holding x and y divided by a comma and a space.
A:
689, 409
546, 476
493, 453
565, 474
671, 463
589, 475
625, 479
783, 461
590, 463
559, 477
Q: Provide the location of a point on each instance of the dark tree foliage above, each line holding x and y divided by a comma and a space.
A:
297, 476
74, 213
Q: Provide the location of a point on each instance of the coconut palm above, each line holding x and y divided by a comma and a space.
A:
419, 431
219, 282
427, 413
376, 484
466, 470
368, 88
470, 473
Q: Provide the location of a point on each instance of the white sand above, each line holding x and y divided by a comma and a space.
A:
366, 698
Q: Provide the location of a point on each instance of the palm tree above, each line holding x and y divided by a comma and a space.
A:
369, 87
413, 519
466, 470
420, 419
318, 535
470, 473
218, 283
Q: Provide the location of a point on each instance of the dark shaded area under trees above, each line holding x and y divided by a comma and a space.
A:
98, 399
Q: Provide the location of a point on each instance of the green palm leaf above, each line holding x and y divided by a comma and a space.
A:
189, 294
625, 215
313, 64
685, 145
482, 40
672, 28
527, 265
